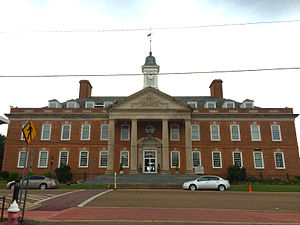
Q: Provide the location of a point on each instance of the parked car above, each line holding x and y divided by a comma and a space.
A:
35, 181
207, 182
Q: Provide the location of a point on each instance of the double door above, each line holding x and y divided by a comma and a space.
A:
150, 161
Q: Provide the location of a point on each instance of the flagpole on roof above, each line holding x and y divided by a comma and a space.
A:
150, 35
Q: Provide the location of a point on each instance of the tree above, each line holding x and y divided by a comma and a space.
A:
2, 144
63, 174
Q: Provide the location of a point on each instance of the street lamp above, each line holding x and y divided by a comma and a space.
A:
51, 165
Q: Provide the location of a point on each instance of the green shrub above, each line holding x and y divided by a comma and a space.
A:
47, 174
297, 177
4, 174
293, 180
13, 176
63, 174
236, 174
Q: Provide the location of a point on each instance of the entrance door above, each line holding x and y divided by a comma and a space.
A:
150, 164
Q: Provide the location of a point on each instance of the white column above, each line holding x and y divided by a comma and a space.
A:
165, 147
111, 147
188, 147
133, 164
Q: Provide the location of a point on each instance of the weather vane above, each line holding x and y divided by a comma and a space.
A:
150, 35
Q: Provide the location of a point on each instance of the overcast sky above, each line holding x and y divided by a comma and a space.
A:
75, 37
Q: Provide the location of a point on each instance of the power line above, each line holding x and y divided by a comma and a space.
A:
160, 74
153, 28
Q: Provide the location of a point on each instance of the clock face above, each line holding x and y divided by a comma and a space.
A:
150, 76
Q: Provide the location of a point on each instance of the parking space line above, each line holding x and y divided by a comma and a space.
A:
92, 198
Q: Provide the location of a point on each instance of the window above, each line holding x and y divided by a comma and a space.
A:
43, 159
65, 132
235, 132
276, 134
210, 105
214, 132
124, 159
175, 159
103, 159
22, 135
125, 132
22, 159
63, 158
175, 132
192, 104
279, 160
217, 160
196, 159
89, 104
255, 133
248, 104
54, 104
229, 105
237, 159
46, 132
195, 132
83, 159
104, 132
107, 103
72, 104
258, 160
85, 132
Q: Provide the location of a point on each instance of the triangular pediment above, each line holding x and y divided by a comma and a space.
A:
150, 99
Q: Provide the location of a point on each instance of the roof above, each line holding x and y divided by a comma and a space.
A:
3, 120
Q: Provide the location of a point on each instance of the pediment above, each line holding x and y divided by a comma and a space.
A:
150, 99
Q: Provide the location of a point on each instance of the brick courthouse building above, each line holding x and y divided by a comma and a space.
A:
152, 132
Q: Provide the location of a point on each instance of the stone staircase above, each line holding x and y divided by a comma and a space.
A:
137, 181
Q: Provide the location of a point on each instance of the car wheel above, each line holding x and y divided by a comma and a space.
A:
43, 186
193, 187
221, 188
12, 187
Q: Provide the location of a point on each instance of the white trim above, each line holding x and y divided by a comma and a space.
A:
128, 133
39, 162
279, 130
251, 130
100, 159
241, 155
172, 159
225, 104
127, 158
283, 162
104, 139
82, 132
72, 105
19, 157
244, 104
174, 127
198, 132
60, 157
43, 127
199, 158
239, 134
262, 160
87, 159
212, 157
211, 136
62, 131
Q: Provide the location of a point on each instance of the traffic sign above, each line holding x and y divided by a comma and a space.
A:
29, 132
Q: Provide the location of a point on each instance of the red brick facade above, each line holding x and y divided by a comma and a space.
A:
95, 117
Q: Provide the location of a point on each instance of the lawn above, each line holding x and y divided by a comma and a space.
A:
267, 188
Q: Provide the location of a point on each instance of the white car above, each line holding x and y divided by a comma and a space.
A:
207, 182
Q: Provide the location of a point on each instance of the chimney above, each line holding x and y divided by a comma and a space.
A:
85, 89
216, 89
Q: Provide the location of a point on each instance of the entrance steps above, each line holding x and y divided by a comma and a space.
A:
137, 181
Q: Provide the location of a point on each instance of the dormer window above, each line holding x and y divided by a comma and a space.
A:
99, 105
72, 105
89, 104
54, 104
192, 104
107, 103
210, 105
247, 104
228, 105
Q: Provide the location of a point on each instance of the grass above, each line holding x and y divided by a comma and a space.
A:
266, 188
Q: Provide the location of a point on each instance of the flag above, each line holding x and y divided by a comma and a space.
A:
149, 35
